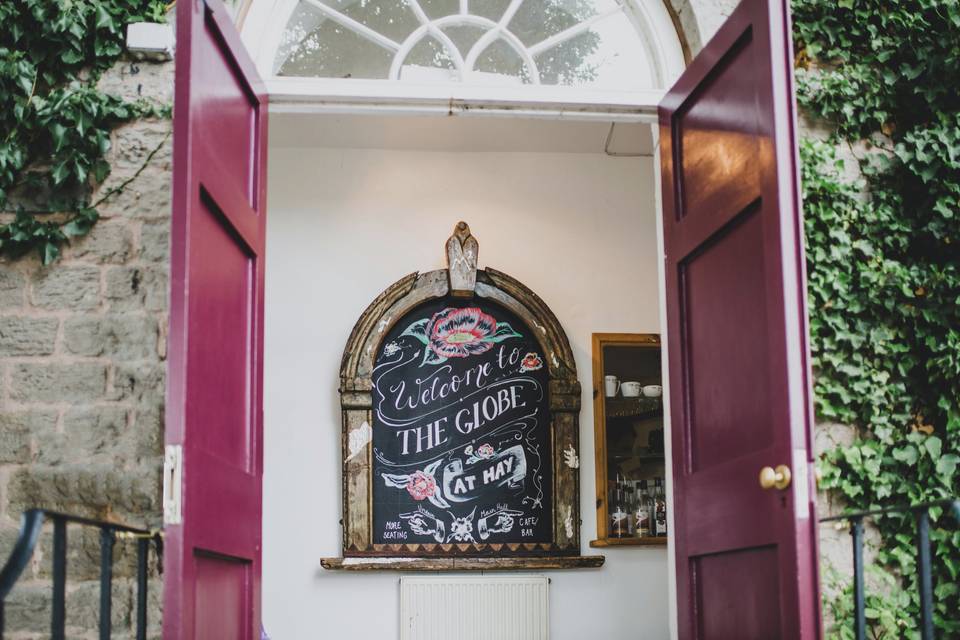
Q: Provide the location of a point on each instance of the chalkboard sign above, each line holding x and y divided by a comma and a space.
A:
462, 448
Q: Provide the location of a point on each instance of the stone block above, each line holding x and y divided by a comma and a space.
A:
155, 241
77, 382
28, 609
16, 429
147, 429
141, 382
94, 490
67, 287
12, 287
109, 241
83, 554
137, 287
148, 196
88, 434
140, 80
27, 336
83, 606
119, 336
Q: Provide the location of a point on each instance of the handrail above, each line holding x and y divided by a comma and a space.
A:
953, 502
925, 579
31, 524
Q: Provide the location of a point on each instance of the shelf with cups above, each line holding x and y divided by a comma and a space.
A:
629, 440
619, 407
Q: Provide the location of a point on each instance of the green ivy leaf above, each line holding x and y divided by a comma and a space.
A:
50, 252
947, 465
907, 455
934, 446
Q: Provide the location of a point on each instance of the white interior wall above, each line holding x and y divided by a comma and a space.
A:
578, 228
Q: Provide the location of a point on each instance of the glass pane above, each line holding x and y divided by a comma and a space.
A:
500, 63
315, 46
464, 37
633, 426
392, 18
536, 21
607, 56
492, 9
429, 61
334, 52
439, 8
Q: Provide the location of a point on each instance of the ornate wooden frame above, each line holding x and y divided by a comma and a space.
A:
461, 278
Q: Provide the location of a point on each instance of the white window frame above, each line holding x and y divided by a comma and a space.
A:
266, 20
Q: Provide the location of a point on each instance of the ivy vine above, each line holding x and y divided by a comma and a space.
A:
884, 276
55, 123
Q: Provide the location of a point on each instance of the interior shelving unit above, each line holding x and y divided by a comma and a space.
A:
628, 431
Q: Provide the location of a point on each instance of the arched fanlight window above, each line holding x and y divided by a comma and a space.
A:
593, 44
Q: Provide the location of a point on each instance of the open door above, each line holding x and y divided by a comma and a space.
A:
212, 483
746, 556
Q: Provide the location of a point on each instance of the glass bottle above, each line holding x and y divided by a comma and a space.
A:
660, 518
652, 506
630, 505
642, 512
618, 511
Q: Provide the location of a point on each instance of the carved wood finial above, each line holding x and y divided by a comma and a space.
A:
462, 251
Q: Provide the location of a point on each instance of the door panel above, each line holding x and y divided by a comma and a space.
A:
214, 407
736, 329
716, 134
222, 608
229, 109
725, 313
224, 271
737, 593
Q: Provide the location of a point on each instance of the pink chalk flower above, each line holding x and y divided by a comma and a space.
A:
457, 333
485, 451
530, 362
421, 485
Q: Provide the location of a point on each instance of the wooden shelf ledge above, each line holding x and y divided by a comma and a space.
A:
462, 564
630, 542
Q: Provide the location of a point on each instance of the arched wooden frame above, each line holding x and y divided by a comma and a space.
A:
357, 412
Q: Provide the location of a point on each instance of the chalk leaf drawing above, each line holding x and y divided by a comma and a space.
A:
458, 333
570, 457
359, 438
419, 484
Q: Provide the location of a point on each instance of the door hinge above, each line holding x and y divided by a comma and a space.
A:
172, 485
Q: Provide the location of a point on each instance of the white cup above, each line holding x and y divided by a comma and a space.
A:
631, 389
611, 385
653, 391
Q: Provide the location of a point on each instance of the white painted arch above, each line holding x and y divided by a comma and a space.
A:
655, 22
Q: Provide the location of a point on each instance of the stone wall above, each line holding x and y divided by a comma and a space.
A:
82, 365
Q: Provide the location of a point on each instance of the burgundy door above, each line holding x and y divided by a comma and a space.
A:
737, 337
214, 406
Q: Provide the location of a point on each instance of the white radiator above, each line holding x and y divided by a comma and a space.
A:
488, 607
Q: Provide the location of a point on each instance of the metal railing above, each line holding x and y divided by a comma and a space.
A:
31, 524
921, 513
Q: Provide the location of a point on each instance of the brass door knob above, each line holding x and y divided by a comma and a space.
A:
778, 478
